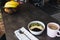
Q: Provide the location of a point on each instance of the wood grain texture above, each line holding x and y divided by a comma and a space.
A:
2, 28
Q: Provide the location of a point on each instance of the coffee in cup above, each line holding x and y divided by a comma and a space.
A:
52, 26
53, 29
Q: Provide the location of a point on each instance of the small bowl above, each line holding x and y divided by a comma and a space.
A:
36, 32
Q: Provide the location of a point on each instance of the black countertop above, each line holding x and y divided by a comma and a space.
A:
26, 14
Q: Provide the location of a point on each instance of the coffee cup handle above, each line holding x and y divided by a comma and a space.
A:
58, 35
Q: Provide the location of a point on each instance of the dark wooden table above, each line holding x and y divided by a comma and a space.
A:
26, 14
